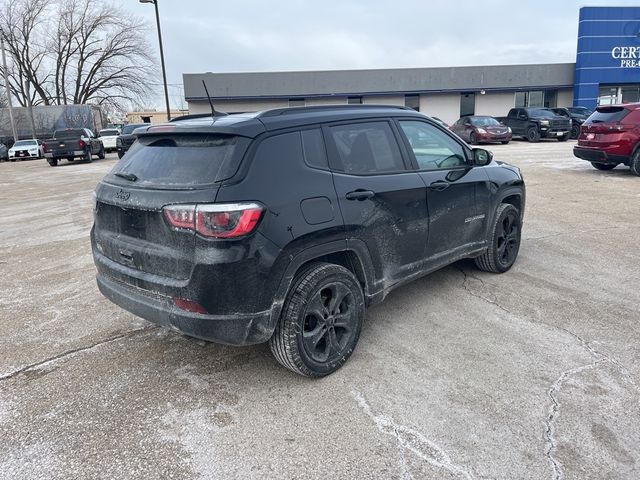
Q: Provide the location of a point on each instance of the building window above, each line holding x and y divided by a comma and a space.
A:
354, 100
521, 99
412, 101
467, 104
536, 98
296, 102
551, 98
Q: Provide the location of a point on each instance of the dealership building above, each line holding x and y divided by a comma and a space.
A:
606, 71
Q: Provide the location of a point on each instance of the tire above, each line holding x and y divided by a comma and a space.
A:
120, 155
473, 140
634, 163
87, 156
533, 135
52, 162
575, 131
504, 243
604, 166
101, 153
70, 159
564, 138
505, 142
294, 343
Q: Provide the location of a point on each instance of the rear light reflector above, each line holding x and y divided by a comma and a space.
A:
230, 220
189, 305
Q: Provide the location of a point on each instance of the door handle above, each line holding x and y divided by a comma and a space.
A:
360, 195
439, 185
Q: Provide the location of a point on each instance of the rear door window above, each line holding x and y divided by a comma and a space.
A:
180, 161
367, 148
608, 115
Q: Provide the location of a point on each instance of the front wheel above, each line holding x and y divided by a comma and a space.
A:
473, 139
604, 166
52, 162
504, 243
575, 131
320, 322
533, 135
505, 142
564, 138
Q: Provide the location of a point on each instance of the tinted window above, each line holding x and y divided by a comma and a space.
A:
70, 133
433, 148
313, 148
128, 129
608, 115
540, 112
25, 143
179, 160
367, 148
108, 133
484, 121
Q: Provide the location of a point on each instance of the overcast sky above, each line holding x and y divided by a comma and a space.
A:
259, 35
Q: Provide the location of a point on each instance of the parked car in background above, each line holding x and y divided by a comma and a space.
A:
611, 136
477, 129
580, 111
284, 226
72, 143
4, 153
108, 137
25, 149
126, 137
536, 123
577, 119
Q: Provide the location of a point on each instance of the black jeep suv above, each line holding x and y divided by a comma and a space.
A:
283, 225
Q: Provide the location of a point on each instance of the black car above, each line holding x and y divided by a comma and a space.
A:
126, 137
283, 226
535, 123
578, 115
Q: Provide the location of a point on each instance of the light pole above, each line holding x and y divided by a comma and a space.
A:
164, 73
6, 87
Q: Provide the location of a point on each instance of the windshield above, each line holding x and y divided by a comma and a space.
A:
484, 121
580, 111
608, 115
108, 133
540, 112
25, 143
128, 129
70, 133
179, 160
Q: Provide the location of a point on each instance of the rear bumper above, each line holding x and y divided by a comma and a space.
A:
237, 329
596, 155
74, 153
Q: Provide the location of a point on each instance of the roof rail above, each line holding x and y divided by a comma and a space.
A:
323, 108
191, 116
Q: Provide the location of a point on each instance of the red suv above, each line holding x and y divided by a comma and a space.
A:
611, 135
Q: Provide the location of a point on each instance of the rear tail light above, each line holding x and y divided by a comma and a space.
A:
81, 144
222, 220
44, 147
189, 305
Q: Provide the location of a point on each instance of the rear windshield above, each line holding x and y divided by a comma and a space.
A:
180, 161
128, 129
608, 115
108, 133
71, 133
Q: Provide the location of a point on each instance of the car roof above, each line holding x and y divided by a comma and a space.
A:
252, 124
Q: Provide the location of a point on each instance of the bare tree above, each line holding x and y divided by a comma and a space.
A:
97, 54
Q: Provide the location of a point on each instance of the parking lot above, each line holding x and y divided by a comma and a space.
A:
460, 375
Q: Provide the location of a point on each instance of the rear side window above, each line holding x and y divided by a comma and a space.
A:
313, 148
181, 160
366, 148
608, 115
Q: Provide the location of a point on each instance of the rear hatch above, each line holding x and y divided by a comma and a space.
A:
603, 127
130, 227
65, 141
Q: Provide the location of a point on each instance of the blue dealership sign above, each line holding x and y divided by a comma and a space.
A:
608, 51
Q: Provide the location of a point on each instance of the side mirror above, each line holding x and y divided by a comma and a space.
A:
482, 157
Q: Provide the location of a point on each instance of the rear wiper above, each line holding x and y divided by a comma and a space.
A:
127, 176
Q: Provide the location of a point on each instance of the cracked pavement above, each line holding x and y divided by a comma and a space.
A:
531, 374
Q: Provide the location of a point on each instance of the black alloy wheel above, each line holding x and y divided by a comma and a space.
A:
320, 322
504, 243
575, 131
533, 135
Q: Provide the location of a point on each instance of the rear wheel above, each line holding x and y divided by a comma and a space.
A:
52, 162
504, 243
604, 166
634, 164
320, 322
533, 135
87, 156
101, 153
